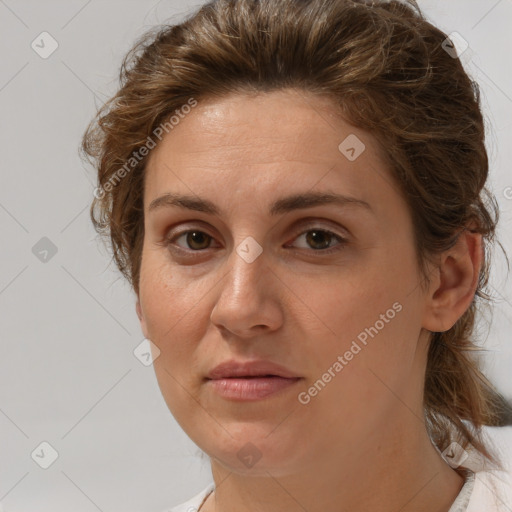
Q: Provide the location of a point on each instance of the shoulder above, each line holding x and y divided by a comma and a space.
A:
492, 492
500, 441
493, 488
193, 504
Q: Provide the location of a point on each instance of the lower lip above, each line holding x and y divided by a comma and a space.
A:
255, 388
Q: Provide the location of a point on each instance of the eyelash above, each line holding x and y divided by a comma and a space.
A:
169, 240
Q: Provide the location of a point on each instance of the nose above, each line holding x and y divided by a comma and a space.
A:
248, 302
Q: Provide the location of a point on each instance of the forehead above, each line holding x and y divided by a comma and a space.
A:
264, 142
270, 118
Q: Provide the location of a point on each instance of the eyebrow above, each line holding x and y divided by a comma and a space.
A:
280, 206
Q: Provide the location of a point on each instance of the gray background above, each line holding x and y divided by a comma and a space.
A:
68, 325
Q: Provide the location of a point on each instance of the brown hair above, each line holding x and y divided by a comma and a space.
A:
386, 68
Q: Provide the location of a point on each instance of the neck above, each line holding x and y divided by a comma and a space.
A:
396, 468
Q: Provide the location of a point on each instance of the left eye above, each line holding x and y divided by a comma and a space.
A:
317, 239
320, 239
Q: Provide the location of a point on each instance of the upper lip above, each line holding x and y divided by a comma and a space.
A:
234, 368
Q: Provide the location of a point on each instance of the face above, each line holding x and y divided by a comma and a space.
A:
327, 290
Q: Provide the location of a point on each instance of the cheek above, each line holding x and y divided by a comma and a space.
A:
345, 304
168, 301
371, 318
356, 394
363, 333
170, 312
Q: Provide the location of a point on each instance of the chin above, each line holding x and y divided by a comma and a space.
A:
254, 450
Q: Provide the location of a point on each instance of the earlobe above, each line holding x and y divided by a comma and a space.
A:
454, 289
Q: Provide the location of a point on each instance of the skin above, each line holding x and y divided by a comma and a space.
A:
361, 443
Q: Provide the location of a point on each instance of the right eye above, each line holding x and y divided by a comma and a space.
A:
195, 239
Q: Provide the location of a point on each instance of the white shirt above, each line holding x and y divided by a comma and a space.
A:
484, 490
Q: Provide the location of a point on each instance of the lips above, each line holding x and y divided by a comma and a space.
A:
248, 369
250, 381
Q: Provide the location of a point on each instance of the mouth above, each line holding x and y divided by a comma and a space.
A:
253, 387
249, 381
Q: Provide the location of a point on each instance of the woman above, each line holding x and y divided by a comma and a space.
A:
296, 192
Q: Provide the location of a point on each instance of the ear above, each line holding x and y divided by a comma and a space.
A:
142, 320
454, 284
